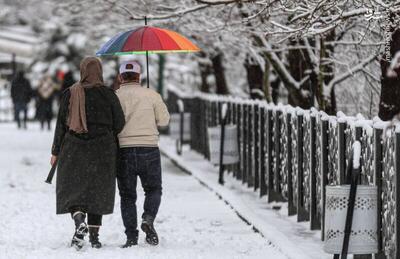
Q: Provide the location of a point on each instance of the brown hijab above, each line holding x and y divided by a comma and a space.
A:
91, 76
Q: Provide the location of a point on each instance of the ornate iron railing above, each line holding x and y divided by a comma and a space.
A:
290, 154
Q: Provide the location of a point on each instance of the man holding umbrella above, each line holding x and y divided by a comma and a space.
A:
144, 111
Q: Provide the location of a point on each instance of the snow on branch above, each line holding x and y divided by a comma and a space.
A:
178, 13
342, 77
222, 2
278, 65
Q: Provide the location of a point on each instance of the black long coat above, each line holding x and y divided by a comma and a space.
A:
86, 170
21, 90
44, 108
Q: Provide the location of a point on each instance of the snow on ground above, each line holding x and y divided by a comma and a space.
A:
294, 239
193, 222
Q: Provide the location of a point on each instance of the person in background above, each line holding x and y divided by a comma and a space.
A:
21, 94
85, 150
63, 83
45, 96
144, 111
68, 81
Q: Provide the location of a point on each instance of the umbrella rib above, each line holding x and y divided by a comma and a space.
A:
141, 40
159, 41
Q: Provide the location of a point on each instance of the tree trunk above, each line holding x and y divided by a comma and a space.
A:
326, 71
298, 64
389, 105
219, 73
255, 78
266, 81
205, 68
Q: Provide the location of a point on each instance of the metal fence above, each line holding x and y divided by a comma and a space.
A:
289, 154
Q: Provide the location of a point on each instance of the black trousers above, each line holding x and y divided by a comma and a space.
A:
18, 108
145, 163
92, 219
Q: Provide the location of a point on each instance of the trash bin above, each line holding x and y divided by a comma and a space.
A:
174, 126
231, 150
363, 238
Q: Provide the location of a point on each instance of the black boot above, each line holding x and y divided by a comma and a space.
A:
94, 237
131, 241
80, 230
148, 228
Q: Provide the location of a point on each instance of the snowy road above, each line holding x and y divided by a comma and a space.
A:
192, 223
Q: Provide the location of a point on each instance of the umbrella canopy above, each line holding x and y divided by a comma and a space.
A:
147, 39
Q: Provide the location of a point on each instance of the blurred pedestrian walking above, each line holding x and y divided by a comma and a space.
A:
68, 81
45, 96
21, 94
85, 146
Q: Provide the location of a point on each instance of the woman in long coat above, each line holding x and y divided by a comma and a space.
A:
85, 148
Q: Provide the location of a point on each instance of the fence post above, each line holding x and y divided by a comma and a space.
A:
263, 142
397, 193
302, 214
181, 110
273, 195
239, 172
270, 172
324, 168
378, 159
223, 109
234, 121
342, 152
229, 120
315, 222
207, 109
291, 207
277, 152
250, 145
214, 113
257, 146
358, 135
245, 143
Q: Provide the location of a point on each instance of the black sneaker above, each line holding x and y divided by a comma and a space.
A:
148, 228
131, 241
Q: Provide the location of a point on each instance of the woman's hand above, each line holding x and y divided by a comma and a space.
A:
53, 160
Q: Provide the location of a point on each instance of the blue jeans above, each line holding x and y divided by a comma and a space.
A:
145, 163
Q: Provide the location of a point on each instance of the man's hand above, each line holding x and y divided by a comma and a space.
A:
53, 160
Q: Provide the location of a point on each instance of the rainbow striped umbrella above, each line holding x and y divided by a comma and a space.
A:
145, 40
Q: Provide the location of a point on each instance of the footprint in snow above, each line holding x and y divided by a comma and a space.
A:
26, 161
216, 223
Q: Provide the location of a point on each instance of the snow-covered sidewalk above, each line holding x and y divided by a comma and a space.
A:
292, 238
193, 222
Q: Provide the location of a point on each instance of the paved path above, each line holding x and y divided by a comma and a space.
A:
192, 223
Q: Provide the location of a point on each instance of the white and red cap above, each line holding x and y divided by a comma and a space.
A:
129, 66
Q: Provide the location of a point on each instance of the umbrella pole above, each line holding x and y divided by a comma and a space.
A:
147, 66
147, 59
